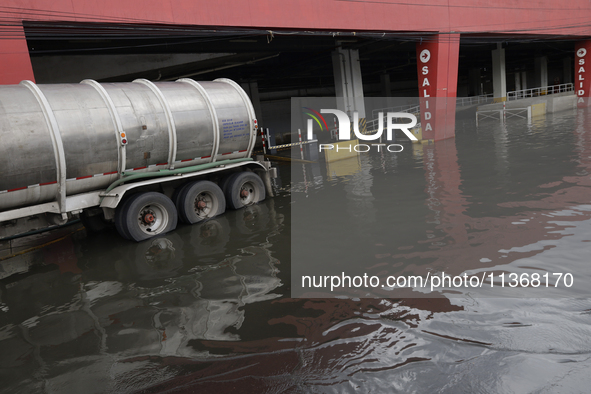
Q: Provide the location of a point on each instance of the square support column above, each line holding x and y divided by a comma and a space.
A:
582, 77
541, 72
517, 80
499, 75
474, 79
15, 59
348, 82
437, 64
386, 88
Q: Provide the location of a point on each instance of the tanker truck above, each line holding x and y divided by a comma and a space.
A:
142, 155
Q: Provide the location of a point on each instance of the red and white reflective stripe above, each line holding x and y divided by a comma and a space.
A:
184, 160
54, 182
264, 142
79, 178
197, 158
144, 167
231, 153
150, 166
16, 189
28, 187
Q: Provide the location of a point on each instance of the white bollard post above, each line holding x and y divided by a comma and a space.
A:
301, 146
263, 137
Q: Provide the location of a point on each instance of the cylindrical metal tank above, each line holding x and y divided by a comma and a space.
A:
85, 136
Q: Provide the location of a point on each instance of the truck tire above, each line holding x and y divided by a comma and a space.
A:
200, 201
176, 199
146, 215
223, 183
243, 189
175, 196
119, 219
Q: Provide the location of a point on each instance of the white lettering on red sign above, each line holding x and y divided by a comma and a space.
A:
424, 57
581, 52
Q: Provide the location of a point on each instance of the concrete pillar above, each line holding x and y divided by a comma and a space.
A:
582, 78
348, 82
14, 58
437, 64
499, 75
252, 89
517, 80
523, 80
541, 72
567, 70
386, 87
474, 82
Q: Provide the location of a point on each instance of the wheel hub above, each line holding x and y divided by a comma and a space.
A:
148, 218
244, 193
201, 204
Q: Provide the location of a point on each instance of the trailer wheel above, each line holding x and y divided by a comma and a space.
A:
200, 201
223, 183
175, 196
243, 189
120, 218
176, 199
146, 215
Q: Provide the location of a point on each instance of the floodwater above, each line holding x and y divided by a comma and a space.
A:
207, 308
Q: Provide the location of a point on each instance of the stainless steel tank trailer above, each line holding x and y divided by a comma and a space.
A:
139, 154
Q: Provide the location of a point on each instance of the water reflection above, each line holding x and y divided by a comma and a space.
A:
207, 308
150, 298
467, 212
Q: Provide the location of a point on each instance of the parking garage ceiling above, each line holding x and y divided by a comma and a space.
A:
277, 60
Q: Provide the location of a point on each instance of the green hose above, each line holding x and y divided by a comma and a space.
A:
183, 170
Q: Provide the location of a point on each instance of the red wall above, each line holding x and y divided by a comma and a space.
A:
15, 64
504, 16
556, 17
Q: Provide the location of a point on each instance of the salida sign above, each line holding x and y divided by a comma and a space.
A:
425, 88
437, 69
344, 130
582, 84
